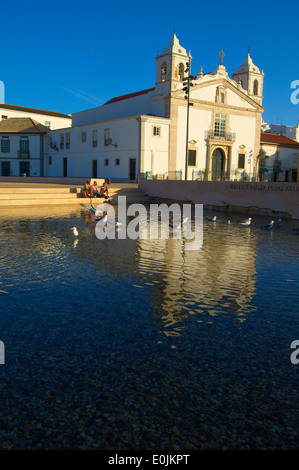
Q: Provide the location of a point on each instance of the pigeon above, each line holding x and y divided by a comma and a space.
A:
268, 226
246, 221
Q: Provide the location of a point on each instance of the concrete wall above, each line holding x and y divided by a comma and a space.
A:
120, 109
254, 197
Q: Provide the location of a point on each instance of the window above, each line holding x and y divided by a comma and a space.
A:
181, 72
3, 117
62, 141
50, 160
156, 131
255, 87
241, 160
117, 162
67, 140
94, 138
221, 93
5, 145
83, 137
163, 72
107, 140
192, 157
24, 147
220, 125
106, 162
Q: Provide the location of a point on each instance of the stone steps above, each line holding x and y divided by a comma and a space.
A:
42, 195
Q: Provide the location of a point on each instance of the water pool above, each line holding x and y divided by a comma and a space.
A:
141, 344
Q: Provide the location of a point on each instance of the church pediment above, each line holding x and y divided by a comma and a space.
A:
222, 91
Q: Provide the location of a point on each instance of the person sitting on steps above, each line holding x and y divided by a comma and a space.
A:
87, 192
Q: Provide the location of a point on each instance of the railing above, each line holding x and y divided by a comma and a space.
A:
222, 176
227, 136
23, 153
170, 175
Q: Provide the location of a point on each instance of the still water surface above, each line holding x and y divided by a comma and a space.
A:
142, 344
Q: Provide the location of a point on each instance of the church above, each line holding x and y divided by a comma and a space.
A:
203, 126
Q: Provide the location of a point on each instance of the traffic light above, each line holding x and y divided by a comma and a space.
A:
186, 87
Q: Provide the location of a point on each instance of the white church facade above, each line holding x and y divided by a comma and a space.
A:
144, 134
157, 133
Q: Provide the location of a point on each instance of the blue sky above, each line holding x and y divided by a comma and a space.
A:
69, 56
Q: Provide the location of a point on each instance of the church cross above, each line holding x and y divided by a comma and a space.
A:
221, 53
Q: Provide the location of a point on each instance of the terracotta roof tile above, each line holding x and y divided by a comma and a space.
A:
22, 125
33, 110
267, 138
130, 95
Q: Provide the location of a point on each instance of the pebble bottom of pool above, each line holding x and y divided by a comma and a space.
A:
122, 344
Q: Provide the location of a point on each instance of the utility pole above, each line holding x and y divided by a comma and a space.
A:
186, 88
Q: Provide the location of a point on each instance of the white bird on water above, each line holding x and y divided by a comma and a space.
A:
75, 231
212, 219
268, 226
177, 226
246, 221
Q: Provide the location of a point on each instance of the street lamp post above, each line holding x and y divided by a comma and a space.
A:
187, 84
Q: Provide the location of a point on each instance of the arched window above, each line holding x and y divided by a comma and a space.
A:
181, 71
255, 87
163, 72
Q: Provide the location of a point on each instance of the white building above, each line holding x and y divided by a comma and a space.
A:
280, 158
291, 132
49, 119
146, 133
22, 143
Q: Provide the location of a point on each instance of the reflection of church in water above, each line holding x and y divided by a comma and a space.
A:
209, 282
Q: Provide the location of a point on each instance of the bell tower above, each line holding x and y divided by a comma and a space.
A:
170, 67
251, 79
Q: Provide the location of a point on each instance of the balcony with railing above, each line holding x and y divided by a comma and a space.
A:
220, 136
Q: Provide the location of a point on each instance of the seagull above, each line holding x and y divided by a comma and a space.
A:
246, 221
228, 222
212, 219
103, 217
75, 231
268, 226
177, 226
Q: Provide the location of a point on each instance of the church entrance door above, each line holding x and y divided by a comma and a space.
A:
217, 164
